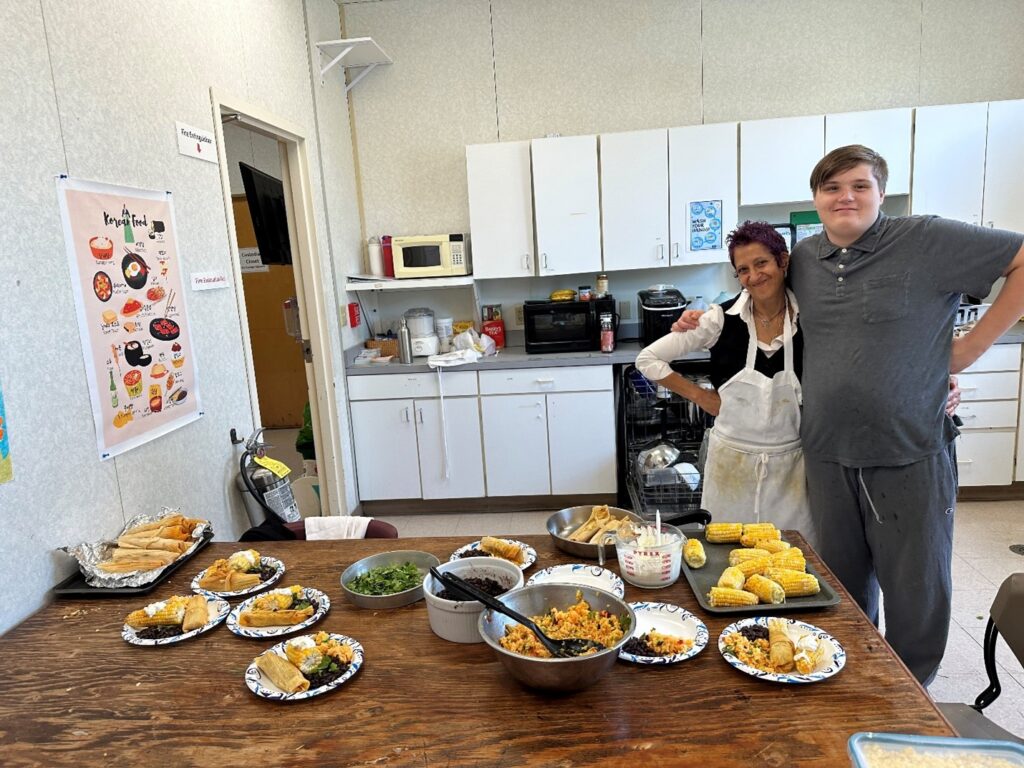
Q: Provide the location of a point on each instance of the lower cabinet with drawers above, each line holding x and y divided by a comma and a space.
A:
990, 411
509, 432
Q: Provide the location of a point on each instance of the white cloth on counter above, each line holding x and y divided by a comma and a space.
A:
653, 361
455, 357
336, 527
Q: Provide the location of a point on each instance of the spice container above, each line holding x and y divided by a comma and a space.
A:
585, 293
607, 333
602, 286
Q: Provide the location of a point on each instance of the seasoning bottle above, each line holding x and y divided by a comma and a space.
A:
404, 343
607, 333
585, 293
602, 285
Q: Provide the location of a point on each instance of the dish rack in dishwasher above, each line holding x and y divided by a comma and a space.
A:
652, 414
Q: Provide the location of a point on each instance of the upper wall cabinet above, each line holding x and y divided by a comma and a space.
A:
777, 156
949, 161
702, 172
1004, 204
634, 199
565, 195
501, 209
887, 131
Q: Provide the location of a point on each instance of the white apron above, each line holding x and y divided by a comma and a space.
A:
755, 464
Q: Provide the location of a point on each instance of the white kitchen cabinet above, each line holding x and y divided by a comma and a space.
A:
566, 202
777, 156
990, 391
949, 161
581, 439
387, 459
461, 422
702, 167
1003, 203
887, 131
501, 209
516, 445
634, 199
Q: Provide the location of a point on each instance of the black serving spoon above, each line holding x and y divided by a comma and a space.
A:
557, 648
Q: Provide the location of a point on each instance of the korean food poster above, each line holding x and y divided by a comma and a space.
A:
127, 283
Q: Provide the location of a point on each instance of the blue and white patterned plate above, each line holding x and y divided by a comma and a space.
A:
218, 610
583, 574
323, 604
273, 562
833, 660
529, 553
262, 686
670, 620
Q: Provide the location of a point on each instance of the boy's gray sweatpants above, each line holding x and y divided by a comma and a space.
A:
892, 527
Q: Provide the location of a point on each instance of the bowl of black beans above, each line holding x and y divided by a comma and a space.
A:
453, 618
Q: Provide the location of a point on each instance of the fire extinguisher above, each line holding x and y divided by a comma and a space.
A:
268, 497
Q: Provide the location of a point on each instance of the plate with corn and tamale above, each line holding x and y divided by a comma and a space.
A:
781, 650
752, 568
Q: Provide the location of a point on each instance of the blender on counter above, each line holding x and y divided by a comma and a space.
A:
420, 322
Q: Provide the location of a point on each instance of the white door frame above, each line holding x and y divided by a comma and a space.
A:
313, 315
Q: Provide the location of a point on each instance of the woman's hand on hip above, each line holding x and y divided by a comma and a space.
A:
710, 401
688, 321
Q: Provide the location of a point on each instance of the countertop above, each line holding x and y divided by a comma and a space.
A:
516, 357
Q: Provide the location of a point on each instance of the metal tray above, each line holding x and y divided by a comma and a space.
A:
703, 579
75, 585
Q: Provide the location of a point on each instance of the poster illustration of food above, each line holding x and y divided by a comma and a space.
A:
127, 282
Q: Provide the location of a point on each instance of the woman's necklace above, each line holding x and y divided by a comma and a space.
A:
765, 321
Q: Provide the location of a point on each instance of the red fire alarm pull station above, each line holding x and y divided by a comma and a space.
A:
353, 315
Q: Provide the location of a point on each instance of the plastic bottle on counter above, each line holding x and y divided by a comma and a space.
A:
602, 285
404, 343
698, 303
374, 257
607, 333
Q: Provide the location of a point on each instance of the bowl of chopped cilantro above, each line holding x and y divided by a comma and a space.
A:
388, 579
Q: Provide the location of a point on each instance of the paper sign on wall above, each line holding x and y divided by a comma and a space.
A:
705, 225
122, 250
251, 261
205, 281
196, 142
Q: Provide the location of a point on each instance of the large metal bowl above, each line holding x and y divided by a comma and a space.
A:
571, 674
422, 560
564, 522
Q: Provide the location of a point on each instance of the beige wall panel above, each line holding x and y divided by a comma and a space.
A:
415, 117
972, 51
596, 67
779, 58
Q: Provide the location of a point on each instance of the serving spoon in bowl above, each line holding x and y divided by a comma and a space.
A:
562, 649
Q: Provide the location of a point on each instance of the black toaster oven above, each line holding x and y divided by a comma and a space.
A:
565, 326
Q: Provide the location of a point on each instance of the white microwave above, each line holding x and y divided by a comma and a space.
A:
431, 256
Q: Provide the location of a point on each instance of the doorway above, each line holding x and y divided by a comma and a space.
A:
276, 266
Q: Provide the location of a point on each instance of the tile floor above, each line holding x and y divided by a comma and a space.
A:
981, 561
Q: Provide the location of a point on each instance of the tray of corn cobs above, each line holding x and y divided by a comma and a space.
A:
751, 568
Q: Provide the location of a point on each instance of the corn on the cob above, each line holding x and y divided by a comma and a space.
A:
732, 578
720, 597
303, 653
167, 612
791, 558
772, 545
737, 556
750, 567
751, 539
795, 583
693, 553
766, 590
245, 561
764, 529
723, 533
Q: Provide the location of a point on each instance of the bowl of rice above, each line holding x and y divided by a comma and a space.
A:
563, 611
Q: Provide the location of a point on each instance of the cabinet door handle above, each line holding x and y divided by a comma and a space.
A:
675, 251
552, 381
965, 461
405, 414
661, 251
967, 389
990, 224
544, 260
966, 416
419, 412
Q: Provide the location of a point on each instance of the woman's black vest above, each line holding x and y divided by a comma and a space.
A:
729, 355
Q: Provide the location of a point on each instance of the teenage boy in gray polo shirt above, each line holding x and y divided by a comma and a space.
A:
877, 298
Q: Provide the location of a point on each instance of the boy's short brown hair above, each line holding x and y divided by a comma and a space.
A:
843, 159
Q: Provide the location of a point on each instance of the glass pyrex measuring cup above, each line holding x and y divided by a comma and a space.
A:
648, 557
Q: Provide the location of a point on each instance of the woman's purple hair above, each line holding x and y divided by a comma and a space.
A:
756, 232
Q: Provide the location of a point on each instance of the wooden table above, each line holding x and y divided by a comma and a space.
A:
75, 693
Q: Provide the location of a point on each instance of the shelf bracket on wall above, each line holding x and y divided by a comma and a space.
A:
360, 53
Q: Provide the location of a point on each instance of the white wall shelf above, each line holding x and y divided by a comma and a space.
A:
355, 53
420, 283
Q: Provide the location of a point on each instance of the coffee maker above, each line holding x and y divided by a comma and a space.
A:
659, 307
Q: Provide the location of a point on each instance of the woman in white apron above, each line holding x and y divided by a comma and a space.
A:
754, 469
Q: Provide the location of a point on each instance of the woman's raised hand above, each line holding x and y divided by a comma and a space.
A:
688, 321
